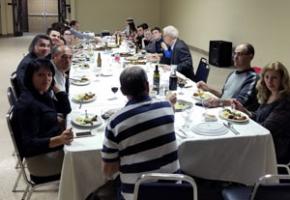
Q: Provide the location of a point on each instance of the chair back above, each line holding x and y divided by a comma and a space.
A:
12, 129
270, 191
105, 33
156, 186
14, 83
202, 70
11, 96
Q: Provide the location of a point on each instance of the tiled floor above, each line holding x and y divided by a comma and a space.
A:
11, 52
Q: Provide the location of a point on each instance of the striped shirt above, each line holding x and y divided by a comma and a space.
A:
141, 137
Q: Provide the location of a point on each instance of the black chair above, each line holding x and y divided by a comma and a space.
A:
105, 33
156, 186
14, 83
30, 185
202, 70
263, 190
11, 96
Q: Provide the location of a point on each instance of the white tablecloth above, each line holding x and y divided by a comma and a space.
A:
240, 158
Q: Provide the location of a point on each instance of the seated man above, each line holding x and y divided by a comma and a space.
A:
240, 84
155, 44
39, 47
140, 137
54, 35
180, 54
61, 60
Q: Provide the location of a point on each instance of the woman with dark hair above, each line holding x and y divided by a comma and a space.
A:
39, 136
274, 111
39, 47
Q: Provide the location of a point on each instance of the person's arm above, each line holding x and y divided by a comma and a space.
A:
247, 89
62, 103
65, 137
110, 168
202, 85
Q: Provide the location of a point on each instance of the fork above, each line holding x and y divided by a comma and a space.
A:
230, 126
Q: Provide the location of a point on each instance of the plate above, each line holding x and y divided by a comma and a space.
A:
80, 81
233, 116
182, 105
109, 113
91, 120
107, 73
210, 129
202, 95
84, 97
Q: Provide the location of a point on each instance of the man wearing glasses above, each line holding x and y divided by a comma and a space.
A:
240, 84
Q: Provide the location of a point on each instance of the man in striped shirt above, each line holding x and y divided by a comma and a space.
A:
140, 137
240, 84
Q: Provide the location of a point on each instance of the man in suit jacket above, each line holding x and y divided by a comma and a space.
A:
179, 54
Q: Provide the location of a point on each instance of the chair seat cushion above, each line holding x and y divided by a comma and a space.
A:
237, 193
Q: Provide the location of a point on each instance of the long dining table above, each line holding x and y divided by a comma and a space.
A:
239, 158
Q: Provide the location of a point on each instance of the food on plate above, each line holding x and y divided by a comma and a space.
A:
233, 115
109, 113
209, 117
86, 97
202, 95
85, 120
125, 54
181, 105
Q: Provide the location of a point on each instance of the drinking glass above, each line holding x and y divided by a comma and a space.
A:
114, 90
181, 84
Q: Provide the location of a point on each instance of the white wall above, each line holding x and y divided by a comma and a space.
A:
97, 15
264, 23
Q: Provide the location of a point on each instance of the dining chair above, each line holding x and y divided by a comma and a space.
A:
11, 96
30, 185
262, 190
156, 186
202, 71
14, 84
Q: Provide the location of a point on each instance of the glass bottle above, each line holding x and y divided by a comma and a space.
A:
156, 79
99, 60
173, 78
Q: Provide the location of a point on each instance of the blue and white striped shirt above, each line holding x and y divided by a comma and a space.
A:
141, 137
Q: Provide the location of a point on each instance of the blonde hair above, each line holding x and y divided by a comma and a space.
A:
263, 92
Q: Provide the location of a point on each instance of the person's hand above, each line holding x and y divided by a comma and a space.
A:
172, 98
164, 46
213, 102
66, 136
165, 67
55, 88
238, 105
202, 85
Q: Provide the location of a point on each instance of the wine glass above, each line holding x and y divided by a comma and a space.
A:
181, 84
114, 90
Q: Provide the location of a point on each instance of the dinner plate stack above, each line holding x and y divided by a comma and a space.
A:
210, 129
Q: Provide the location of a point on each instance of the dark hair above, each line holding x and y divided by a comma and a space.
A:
36, 39
145, 26
73, 22
133, 81
250, 49
35, 66
132, 27
62, 38
58, 26
52, 29
156, 28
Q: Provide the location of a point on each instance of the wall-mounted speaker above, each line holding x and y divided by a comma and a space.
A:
220, 53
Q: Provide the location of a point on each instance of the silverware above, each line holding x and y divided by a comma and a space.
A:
230, 126
81, 103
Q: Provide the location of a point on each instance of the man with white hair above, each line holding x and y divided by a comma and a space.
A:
178, 52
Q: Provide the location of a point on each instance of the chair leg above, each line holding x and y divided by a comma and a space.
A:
25, 193
30, 193
16, 182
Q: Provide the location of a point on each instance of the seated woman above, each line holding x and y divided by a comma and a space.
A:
39, 136
274, 110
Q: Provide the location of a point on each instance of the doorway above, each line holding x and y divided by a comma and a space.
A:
41, 14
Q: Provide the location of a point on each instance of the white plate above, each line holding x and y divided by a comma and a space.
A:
205, 96
107, 73
182, 105
77, 81
78, 98
78, 120
210, 129
226, 115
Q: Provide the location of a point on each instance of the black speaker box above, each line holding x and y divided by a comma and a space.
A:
220, 53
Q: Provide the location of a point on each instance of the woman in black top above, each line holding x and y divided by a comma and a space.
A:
274, 111
40, 136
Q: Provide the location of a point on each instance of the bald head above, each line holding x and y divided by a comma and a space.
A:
62, 57
243, 55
